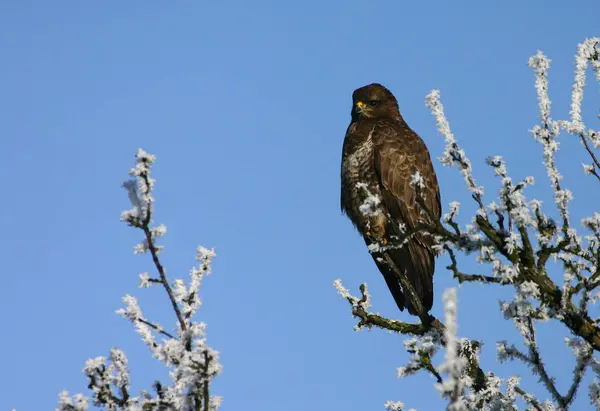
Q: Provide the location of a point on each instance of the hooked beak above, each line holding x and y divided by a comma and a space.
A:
363, 109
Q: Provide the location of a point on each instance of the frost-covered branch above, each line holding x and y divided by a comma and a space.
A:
516, 239
192, 363
466, 385
360, 310
140, 216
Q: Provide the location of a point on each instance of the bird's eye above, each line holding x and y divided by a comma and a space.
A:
373, 103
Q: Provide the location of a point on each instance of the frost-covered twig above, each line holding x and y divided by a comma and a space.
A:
192, 363
78, 402
454, 364
538, 366
453, 154
156, 327
595, 167
360, 310
587, 51
144, 203
530, 399
395, 406
462, 277
547, 133
583, 357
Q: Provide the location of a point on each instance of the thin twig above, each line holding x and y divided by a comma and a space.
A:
205, 388
163, 277
537, 363
589, 150
159, 267
368, 319
529, 398
158, 329
462, 277
578, 373
591, 153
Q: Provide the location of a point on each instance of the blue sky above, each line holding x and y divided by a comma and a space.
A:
245, 105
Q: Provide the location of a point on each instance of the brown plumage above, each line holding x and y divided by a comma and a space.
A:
381, 154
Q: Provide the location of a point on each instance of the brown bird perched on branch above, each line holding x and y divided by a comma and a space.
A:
385, 165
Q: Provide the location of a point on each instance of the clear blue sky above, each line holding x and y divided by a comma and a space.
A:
245, 105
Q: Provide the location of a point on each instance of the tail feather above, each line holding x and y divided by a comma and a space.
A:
418, 261
423, 264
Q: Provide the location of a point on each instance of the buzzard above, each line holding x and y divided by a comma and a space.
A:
384, 165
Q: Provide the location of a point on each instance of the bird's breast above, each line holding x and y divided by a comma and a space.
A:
359, 158
358, 178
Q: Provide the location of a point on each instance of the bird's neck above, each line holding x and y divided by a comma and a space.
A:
366, 121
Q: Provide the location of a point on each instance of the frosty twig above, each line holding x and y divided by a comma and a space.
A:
192, 363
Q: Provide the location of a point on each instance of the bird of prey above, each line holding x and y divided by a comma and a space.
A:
385, 164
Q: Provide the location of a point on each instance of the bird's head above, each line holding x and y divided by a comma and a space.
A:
374, 101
